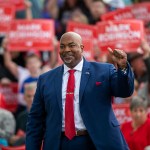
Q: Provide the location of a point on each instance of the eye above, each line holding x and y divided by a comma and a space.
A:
62, 46
72, 45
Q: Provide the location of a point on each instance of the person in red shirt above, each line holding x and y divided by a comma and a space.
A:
137, 131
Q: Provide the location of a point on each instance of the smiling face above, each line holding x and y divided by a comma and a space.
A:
71, 49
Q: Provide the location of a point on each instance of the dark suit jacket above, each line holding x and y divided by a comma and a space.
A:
99, 82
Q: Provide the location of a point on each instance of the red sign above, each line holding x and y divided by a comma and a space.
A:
118, 14
139, 11
87, 34
7, 14
10, 93
31, 34
125, 34
122, 112
19, 4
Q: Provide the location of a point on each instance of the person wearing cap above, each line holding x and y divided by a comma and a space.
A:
72, 107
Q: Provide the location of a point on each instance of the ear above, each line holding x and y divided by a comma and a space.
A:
82, 46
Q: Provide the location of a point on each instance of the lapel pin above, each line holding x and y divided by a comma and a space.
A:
87, 73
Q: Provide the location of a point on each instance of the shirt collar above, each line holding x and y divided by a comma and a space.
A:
78, 67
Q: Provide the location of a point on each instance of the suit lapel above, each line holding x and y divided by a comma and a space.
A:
58, 86
84, 79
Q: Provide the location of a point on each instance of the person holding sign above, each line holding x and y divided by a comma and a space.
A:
31, 71
72, 108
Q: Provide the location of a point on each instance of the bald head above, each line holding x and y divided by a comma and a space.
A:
73, 35
71, 48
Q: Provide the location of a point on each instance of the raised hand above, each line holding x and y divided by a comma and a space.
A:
119, 57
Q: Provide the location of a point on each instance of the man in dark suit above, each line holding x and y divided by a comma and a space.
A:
89, 122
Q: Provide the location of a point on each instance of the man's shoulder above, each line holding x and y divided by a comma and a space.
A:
100, 64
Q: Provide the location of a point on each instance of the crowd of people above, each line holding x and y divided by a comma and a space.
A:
25, 68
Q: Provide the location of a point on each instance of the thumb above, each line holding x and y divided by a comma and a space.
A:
110, 50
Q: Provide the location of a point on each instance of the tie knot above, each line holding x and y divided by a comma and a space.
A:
71, 71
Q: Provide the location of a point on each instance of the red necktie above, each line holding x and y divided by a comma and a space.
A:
69, 107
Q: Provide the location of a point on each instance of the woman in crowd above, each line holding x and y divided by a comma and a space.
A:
137, 131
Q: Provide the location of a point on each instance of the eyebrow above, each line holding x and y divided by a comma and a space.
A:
68, 43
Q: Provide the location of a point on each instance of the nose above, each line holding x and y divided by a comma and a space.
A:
138, 114
67, 49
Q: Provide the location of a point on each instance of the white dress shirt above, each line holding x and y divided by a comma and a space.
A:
79, 125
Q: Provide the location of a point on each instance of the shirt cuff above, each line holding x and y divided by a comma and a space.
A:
124, 70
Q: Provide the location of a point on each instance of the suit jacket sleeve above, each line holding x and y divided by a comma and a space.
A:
35, 124
122, 85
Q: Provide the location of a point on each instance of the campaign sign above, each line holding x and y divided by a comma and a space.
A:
10, 93
139, 11
7, 14
19, 4
122, 112
31, 34
118, 14
125, 34
87, 34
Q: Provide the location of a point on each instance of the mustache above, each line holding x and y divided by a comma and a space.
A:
67, 54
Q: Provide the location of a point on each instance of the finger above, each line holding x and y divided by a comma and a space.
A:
110, 50
118, 53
